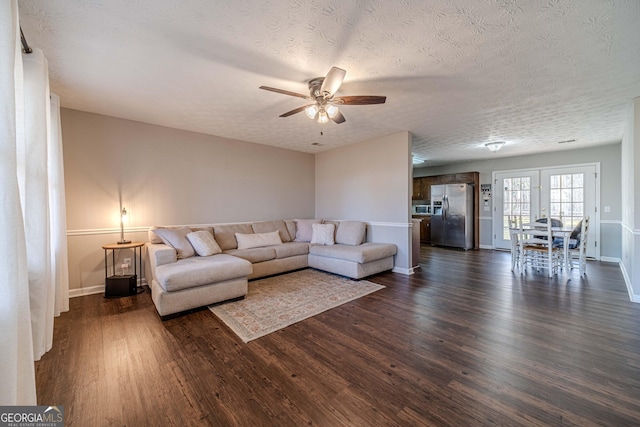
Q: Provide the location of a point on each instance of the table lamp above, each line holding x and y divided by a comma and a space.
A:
123, 219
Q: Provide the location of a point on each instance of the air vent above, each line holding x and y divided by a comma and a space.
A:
567, 141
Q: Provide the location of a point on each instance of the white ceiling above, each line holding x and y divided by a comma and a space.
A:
457, 74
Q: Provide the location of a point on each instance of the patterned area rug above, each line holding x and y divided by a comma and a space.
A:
277, 302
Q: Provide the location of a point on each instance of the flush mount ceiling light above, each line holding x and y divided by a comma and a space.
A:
494, 146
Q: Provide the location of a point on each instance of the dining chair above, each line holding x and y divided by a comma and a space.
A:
578, 254
515, 234
537, 250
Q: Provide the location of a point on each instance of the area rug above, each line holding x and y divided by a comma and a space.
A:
279, 301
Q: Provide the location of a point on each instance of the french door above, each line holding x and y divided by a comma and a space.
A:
516, 194
567, 193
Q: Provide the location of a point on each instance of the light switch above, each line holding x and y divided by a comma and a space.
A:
607, 209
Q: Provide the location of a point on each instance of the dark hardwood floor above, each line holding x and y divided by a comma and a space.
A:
464, 342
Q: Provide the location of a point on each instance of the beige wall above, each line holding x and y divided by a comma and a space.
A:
166, 176
370, 181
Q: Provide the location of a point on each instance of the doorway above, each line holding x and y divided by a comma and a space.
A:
567, 193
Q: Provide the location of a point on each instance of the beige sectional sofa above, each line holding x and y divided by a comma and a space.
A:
191, 267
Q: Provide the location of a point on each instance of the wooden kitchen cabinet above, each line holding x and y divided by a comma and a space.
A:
425, 228
417, 189
422, 187
466, 178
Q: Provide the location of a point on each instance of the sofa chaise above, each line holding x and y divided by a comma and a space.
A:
195, 266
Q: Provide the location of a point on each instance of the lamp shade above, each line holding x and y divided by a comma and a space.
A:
332, 110
311, 111
322, 117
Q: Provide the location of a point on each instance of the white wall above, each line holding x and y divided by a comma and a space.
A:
630, 262
370, 181
610, 180
166, 176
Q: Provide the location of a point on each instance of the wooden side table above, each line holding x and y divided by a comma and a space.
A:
125, 284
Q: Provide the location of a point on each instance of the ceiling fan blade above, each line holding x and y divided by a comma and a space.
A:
285, 92
292, 112
338, 118
360, 100
332, 81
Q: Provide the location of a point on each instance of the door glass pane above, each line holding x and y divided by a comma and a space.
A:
567, 198
516, 201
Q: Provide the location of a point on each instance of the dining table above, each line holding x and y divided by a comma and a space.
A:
538, 229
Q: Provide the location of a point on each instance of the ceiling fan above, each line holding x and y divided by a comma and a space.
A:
321, 92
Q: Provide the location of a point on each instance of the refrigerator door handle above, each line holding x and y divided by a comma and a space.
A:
445, 207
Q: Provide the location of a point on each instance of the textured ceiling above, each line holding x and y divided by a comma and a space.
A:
457, 74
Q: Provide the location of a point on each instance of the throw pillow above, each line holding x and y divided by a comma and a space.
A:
153, 237
322, 234
204, 243
177, 239
268, 226
258, 240
225, 235
351, 233
304, 229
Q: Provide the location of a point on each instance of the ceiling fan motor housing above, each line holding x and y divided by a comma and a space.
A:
314, 87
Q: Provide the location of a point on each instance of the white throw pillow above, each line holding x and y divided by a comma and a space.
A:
258, 240
177, 239
204, 243
322, 234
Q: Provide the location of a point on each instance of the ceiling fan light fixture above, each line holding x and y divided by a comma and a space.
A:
331, 110
311, 111
323, 117
494, 146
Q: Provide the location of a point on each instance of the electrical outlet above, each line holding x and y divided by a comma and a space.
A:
127, 261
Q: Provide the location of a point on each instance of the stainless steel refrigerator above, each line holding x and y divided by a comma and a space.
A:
452, 215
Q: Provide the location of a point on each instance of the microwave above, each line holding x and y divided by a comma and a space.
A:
422, 209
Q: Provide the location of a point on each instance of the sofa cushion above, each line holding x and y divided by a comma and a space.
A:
177, 239
291, 228
290, 249
323, 234
203, 243
267, 226
304, 229
254, 255
199, 271
351, 233
361, 254
258, 240
226, 234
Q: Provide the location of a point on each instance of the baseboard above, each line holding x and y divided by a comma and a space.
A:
485, 246
627, 281
73, 293
92, 290
405, 271
609, 259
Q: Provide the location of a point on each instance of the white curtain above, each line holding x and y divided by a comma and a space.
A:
58, 211
33, 251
